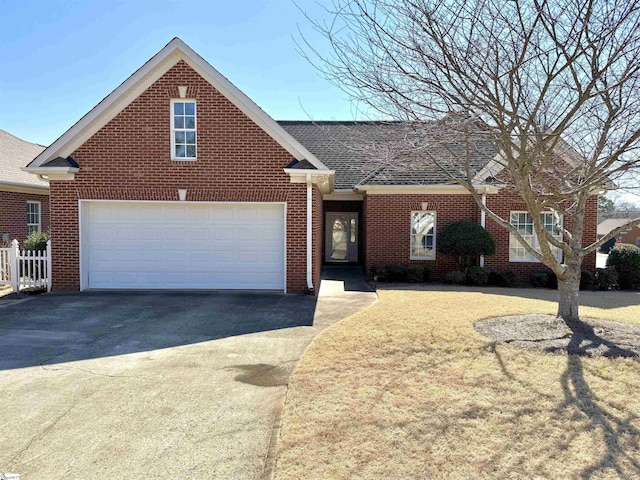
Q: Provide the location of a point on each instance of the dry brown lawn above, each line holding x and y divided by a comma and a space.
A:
408, 389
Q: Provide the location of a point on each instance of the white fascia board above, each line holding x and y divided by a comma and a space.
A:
142, 79
422, 189
24, 188
343, 194
491, 169
411, 189
305, 171
325, 179
53, 173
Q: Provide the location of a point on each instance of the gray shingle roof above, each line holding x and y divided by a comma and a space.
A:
14, 154
355, 150
609, 224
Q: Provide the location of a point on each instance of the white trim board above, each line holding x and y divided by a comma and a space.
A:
23, 188
422, 189
144, 77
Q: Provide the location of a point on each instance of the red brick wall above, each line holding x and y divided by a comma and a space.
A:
130, 159
632, 236
505, 202
388, 227
13, 213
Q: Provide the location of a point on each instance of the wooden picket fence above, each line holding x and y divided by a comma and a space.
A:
25, 268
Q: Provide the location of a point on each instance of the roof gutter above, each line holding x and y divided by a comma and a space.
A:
454, 189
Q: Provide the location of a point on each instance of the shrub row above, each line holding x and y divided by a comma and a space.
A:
482, 276
548, 279
417, 273
401, 273
477, 275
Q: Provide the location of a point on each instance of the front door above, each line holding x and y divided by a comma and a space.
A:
341, 237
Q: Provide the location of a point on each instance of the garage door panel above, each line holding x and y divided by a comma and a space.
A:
210, 246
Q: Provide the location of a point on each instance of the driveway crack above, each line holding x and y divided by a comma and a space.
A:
43, 433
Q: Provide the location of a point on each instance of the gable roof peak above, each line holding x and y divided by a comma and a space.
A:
143, 78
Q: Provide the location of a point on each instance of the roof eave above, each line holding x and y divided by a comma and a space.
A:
53, 173
424, 189
325, 179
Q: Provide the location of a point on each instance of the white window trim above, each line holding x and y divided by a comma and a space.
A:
435, 223
39, 224
532, 259
173, 129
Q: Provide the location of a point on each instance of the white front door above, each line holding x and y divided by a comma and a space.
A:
178, 245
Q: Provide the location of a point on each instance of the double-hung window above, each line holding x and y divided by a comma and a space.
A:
183, 129
523, 221
34, 223
423, 235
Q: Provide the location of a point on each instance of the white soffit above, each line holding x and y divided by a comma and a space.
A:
142, 79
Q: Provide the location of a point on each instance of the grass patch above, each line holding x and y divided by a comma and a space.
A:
408, 389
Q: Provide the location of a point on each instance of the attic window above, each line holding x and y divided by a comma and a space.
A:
183, 129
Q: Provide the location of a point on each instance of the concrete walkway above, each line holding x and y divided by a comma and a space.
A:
155, 385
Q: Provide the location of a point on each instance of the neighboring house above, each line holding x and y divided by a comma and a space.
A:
629, 235
178, 180
24, 198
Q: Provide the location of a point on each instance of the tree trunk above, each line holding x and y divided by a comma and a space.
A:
568, 291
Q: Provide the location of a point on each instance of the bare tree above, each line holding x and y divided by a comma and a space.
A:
554, 85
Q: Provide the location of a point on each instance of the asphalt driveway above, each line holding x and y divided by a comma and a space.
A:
151, 385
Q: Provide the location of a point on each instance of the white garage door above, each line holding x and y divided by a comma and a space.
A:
146, 245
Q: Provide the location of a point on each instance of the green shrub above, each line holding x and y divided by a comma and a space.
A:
395, 273
586, 280
544, 279
606, 278
415, 274
455, 277
477, 275
495, 279
465, 240
377, 271
36, 241
625, 258
508, 279
426, 274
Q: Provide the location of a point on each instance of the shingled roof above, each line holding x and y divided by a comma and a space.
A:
352, 149
16, 153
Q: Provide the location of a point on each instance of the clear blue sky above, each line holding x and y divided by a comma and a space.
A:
58, 59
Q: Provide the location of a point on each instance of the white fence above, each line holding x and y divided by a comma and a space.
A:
5, 277
25, 268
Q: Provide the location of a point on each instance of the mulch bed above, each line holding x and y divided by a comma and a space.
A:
551, 334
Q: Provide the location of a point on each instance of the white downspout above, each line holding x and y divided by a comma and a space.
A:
309, 233
483, 220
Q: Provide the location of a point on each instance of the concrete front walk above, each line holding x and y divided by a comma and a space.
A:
151, 385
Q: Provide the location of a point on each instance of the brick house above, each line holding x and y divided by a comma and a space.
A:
631, 234
24, 198
178, 180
